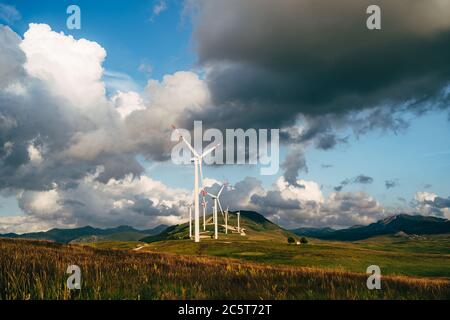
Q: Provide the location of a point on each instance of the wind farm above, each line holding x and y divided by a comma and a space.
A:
197, 159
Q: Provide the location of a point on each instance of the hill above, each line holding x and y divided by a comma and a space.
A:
313, 232
88, 234
402, 223
254, 226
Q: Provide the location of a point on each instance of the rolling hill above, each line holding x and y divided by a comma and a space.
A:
88, 234
402, 223
254, 227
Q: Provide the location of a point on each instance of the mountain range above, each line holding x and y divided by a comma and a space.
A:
402, 223
89, 234
253, 225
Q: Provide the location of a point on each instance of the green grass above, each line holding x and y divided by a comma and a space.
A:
429, 257
36, 270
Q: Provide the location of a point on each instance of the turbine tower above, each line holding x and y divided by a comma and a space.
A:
238, 221
198, 159
190, 221
204, 203
216, 202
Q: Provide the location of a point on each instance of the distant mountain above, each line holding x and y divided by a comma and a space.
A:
313, 232
89, 234
254, 227
398, 224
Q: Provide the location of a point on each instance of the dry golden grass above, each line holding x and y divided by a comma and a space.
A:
36, 270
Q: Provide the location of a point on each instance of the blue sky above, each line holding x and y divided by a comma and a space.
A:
143, 45
129, 31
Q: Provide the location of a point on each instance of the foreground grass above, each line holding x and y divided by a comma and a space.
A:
36, 270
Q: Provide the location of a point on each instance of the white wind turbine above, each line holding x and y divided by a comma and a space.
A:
226, 221
204, 204
238, 221
216, 203
190, 221
197, 158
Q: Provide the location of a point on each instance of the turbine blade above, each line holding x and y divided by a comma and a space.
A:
220, 191
185, 141
220, 206
209, 150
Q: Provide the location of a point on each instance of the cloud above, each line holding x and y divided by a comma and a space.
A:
9, 14
428, 203
68, 149
57, 124
145, 67
137, 201
118, 81
127, 102
307, 206
293, 163
302, 204
267, 65
158, 8
360, 179
391, 183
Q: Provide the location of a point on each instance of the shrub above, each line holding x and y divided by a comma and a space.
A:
303, 240
290, 240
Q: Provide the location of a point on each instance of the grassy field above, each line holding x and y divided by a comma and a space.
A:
36, 270
427, 257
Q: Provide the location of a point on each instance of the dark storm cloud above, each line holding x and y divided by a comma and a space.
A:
273, 200
294, 163
270, 61
147, 207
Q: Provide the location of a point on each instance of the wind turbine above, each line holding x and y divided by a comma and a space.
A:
238, 220
197, 158
216, 202
226, 221
204, 203
190, 221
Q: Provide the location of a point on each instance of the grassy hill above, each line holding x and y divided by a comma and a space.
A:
255, 226
37, 270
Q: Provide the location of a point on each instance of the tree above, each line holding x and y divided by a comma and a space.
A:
290, 240
303, 240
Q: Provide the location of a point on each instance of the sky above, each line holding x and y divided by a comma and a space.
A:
85, 114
